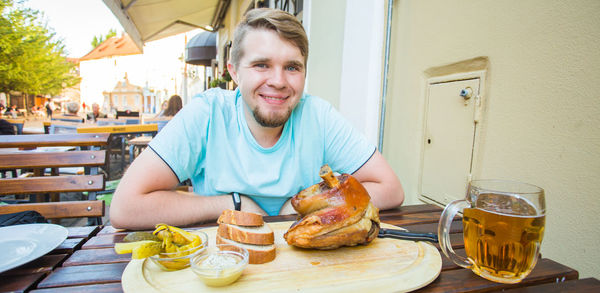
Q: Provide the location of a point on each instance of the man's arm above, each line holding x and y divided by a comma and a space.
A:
146, 196
381, 182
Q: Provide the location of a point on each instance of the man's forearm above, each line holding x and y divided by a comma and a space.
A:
384, 197
170, 207
174, 208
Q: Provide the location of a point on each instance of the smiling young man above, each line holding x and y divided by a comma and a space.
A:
252, 148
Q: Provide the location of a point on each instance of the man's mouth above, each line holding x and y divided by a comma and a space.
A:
274, 100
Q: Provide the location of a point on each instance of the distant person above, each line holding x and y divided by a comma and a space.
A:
72, 109
163, 107
11, 111
48, 110
93, 117
175, 104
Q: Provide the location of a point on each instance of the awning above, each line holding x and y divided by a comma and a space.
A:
201, 49
149, 20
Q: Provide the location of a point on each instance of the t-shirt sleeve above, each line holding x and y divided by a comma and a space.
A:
346, 149
181, 144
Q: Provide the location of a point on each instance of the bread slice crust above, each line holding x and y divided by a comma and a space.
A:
257, 254
240, 218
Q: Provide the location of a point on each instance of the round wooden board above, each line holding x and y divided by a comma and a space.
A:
385, 265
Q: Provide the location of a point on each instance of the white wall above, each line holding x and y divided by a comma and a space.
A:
541, 121
362, 65
326, 40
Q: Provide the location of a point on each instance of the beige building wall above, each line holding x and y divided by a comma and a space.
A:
541, 119
325, 46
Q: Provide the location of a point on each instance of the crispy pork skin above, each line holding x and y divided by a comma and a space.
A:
333, 213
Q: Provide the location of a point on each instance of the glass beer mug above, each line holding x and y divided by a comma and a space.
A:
503, 227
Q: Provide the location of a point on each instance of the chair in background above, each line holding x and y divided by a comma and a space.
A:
91, 209
139, 143
109, 121
129, 131
63, 127
39, 186
68, 118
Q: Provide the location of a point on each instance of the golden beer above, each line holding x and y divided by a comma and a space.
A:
502, 243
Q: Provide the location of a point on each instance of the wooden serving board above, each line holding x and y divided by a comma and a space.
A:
385, 265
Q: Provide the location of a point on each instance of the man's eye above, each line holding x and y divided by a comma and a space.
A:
292, 68
260, 65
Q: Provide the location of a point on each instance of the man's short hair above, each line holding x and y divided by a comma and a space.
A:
283, 23
73, 107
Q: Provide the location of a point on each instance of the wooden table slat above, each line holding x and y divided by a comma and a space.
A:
463, 280
44, 264
83, 232
68, 246
19, 283
103, 241
96, 256
575, 286
84, 275
98, 288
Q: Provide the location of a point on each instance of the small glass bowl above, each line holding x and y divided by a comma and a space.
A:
221, 266
180, 260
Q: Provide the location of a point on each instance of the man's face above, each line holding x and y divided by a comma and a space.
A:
270, 75
95, 108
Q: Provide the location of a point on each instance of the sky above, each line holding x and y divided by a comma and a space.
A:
76, 22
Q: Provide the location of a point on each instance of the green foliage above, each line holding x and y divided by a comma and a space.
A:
31, 60
99, 39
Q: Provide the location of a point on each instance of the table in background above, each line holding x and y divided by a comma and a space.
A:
120, 131
95, 267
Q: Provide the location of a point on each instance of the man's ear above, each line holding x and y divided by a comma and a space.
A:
232, 72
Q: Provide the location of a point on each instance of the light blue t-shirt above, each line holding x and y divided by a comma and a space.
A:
209, 142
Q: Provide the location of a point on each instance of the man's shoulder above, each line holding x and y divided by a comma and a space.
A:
313, 105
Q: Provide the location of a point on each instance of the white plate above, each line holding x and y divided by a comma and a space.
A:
21, 244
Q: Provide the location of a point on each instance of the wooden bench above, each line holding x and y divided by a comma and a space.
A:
37, 183
93, 209
45, 140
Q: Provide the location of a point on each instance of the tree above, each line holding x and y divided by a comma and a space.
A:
31, 60
99, 39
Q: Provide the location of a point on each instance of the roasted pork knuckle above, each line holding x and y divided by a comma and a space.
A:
333, 213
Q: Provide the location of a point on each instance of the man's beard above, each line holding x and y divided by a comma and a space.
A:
273, 121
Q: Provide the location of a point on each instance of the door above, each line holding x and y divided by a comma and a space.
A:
450, 128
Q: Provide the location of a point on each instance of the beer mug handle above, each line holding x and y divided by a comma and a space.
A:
444, 232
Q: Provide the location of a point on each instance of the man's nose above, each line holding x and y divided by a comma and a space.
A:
277, 78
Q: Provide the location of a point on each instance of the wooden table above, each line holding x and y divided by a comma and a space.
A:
121, 131
86, 262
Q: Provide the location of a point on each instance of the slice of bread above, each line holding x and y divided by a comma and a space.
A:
257, 254
261, 235
240, 218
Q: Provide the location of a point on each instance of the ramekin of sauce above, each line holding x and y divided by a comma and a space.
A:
221, 266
